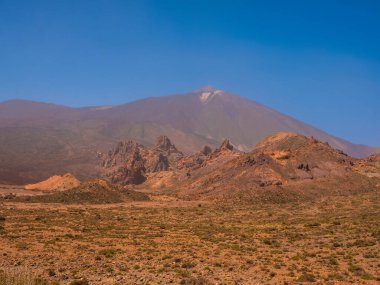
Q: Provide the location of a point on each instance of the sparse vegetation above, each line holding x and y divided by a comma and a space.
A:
182, 243
80, 282
20, 276
107, 252
92, 192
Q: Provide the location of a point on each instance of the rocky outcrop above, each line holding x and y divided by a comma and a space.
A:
280, 160
226, 145
207, 156
283, 160
206, 150
369, 166
296, 157
130, 162
122, 152
163, 144
125, 164
161, 163
133, 163
164, 156
193, 161
55, 183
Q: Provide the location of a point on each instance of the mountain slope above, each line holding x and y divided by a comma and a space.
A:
38, 140
210, 115
282, 162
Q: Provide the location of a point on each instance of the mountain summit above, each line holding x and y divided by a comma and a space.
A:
38, 140
209, 92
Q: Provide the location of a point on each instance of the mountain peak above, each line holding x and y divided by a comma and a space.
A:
206, 93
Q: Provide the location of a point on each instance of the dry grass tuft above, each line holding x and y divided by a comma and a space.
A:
20, 276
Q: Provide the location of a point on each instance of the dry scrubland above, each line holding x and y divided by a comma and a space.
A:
330, 241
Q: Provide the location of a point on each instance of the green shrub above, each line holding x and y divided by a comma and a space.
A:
108, 252
80, 282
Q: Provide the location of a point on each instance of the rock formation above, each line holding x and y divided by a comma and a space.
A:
369, 166
226, 145
130, 162
55, 183
280, 160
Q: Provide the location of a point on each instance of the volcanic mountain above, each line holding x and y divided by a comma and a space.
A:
38, 140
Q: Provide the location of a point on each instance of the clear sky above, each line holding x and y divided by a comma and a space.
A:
318, 61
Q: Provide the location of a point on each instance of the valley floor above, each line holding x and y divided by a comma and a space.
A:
330, 241
17, 190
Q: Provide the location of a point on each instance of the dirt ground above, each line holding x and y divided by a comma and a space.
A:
164, 241
17, 190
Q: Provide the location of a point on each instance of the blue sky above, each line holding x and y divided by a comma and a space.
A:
318, 61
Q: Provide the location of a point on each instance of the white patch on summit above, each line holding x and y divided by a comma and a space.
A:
204, 96
207, 93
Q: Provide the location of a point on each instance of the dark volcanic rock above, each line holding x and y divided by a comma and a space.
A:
161, 163
164, 144
121, 153
226, 145
206, 150
206, 155
130, 162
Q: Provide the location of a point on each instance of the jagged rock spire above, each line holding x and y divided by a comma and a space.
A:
226, 145
163, 143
